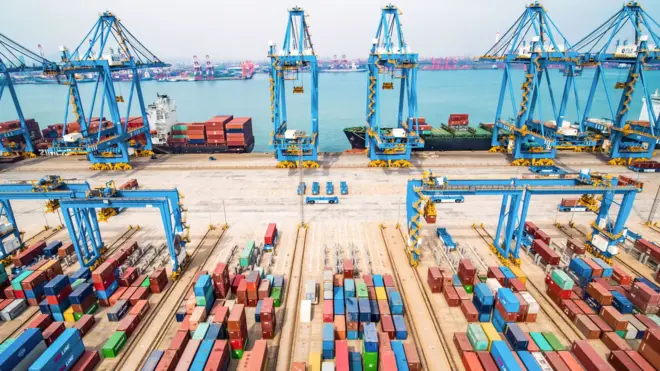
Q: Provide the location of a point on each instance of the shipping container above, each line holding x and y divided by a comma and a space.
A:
503, 357
62, 354
588, 357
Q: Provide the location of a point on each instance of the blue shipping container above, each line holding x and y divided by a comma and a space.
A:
592, 302
349, 288
107, 293
607, 269
483, 294
328, 353
399, 355
56, 285
365, 310
328, 345
329, 332
621, 303
23, 344
202, 355
401, 332
456, 281
81, 293
481, 308
352, 335
503, 356
338, 293
352, 310
484, 317
508, 300
152, 361
498, 321
338, 307
61, 307
516, 337
257, 312
202, 285
507, 273
62, 354
83, 273
36, 293
529, 361
375, 311
213, 333
355, 361
396, 304
378, 280
370, 337
59, 317
44, 307
580, 268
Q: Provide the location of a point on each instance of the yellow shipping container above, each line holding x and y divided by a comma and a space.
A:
314, 361
381, 294
518, 273
491, 332
68, 315
49, 264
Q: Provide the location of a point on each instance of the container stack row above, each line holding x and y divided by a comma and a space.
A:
541, 244
227, 131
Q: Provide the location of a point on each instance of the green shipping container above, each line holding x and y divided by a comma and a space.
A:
200, 301
145, 283
468, 288
3, 274
562, 279
477, 337
179, 136
114, 344
77, 283
276, 294
369, 360
246, 254
179, 127
93, 309
362, 291
77, 316
540, 341
200, 333
621, 333
16, 282
554, 341
237, 354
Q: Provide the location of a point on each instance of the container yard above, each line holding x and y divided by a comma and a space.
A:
420, 260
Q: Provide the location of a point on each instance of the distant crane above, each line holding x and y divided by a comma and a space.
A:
210, 70
14, 58
294, 147
197, 69
535, 42
107, 147
391, 58
629, 140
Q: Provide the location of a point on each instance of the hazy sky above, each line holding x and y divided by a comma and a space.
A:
175, 30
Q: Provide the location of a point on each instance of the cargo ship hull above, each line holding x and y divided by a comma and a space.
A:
191, 148
356, 136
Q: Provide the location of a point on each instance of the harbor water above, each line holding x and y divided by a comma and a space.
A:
342, 100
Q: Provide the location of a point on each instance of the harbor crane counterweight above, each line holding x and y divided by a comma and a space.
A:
107, 143
294, 147
390, 57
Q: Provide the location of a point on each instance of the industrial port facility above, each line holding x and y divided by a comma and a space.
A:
134, 242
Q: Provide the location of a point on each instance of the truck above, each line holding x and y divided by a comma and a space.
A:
343, 188
321, 200
443, 199
302, 188
446, 238
329, 188
316, 188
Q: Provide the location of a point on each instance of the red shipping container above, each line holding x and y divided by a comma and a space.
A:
128, 293
540, 235
128, 324
599, 293
117, 295
142, 293
87, 361
388, 280
158, 280
555, 361
516, 285
383, 307
138, 281
548, 255
220, 314
387, 325
640, 361
530, 228
103, 275
621, 277
168, 361
596, 270
570, 361
341, 355
451, 296
412, 357
647, 294
54, 300
387, 361
584, 307
128, 276
52, 332
42, 321
271, 232
19, 294
508, 316
66, 250
469, 311
218, 357
614, 342
495, 272
368, 280
179, 342
34, 280
434, 279
140, 308
602, 326
586, 354
9, 293
587, 327
487, 361
471, 361
621, 362
462, 294
462, 342
576, 246
264, 289
554, 291
236, 320
85, 323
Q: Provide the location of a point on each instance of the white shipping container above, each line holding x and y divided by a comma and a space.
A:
327, 276
11, 245
230, 304
534, 306
14, 309
31, 357
327, 286
631, 332
493, 285
542, 362
328, 366
327, 295
305, 311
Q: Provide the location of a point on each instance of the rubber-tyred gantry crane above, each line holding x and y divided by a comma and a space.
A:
390, 58
107, 146
14, 58
294, 147
535, 42
628, 140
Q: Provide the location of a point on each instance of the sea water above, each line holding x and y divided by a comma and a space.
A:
342, 100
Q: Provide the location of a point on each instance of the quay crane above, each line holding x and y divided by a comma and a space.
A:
294, 147
210, 70
79, 203
197, 69
628, 140
14, 58
107, 146
535, 42
516, 197
391, 58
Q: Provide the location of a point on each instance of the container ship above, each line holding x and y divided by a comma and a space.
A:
456, 135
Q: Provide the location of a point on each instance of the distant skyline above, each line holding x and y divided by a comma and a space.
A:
237, 30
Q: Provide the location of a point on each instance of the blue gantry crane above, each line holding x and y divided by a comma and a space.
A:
79, 203
108, 48
15, 58
535, 42
390, 58
296, 56
628, 140
516, 196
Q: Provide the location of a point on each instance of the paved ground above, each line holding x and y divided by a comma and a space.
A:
251, 193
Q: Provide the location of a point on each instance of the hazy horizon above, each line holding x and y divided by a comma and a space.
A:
241, 30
